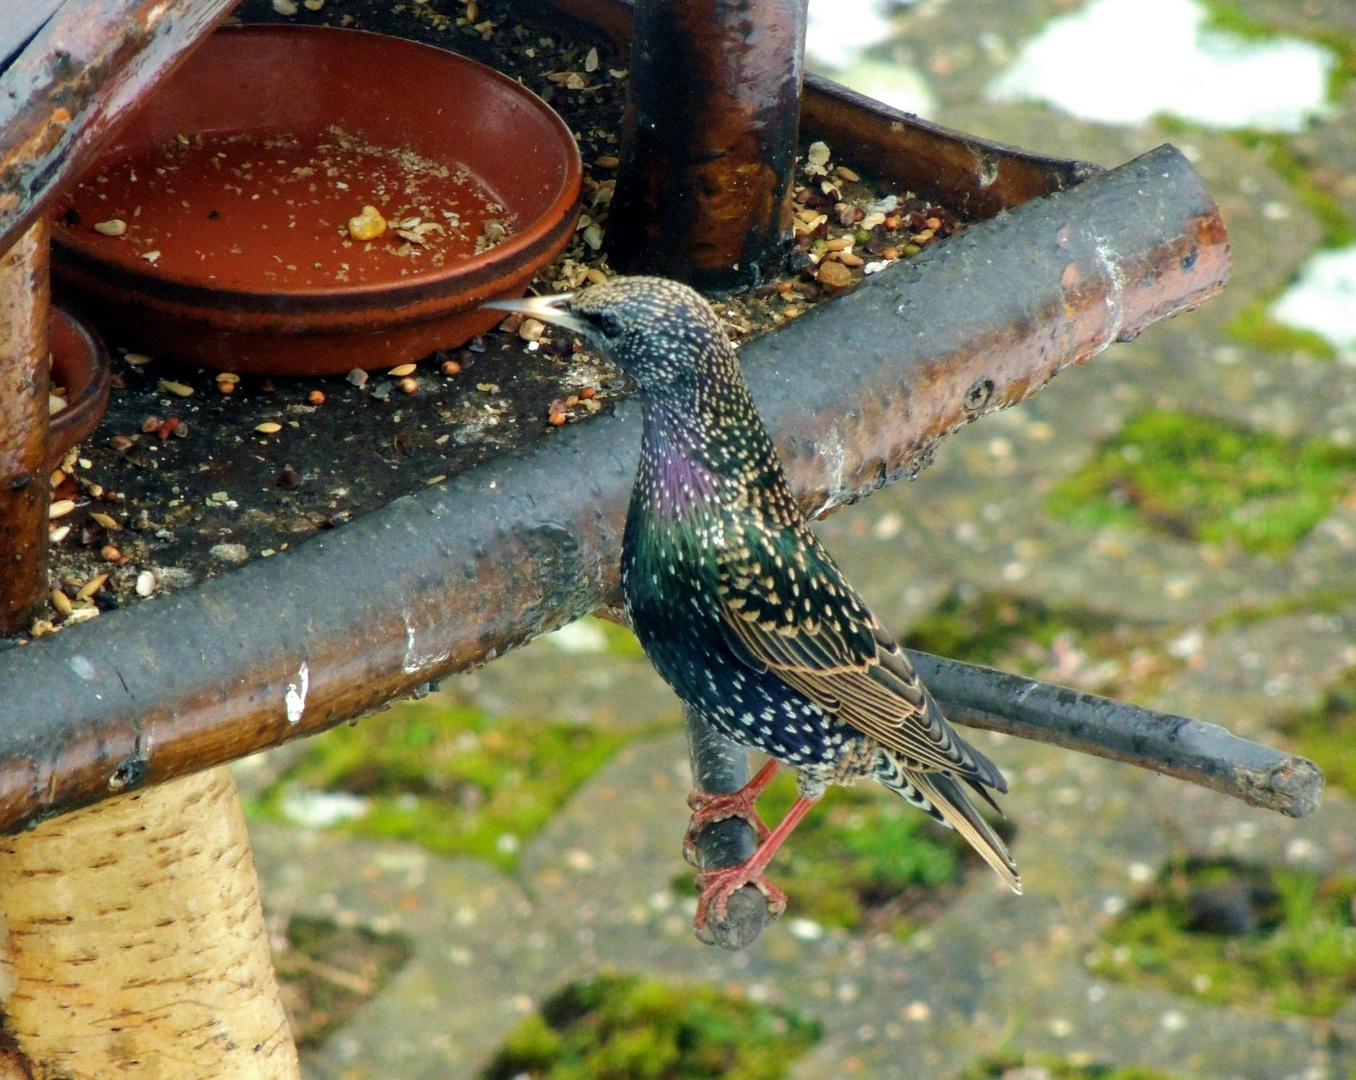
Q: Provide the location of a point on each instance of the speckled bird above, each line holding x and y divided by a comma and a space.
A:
739, 606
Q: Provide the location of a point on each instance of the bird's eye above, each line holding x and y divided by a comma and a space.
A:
609, 324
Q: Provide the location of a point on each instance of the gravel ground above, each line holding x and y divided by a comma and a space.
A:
594, 886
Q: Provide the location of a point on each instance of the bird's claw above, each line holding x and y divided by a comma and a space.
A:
717, 886
707, 809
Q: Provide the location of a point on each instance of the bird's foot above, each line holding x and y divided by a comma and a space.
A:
717, 886
707, 809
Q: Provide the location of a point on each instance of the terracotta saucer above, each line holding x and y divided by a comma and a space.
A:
215, 228
80, 364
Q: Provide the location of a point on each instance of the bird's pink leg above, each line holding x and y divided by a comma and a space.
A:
718, 886
707, 809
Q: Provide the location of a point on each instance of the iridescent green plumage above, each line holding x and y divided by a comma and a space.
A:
734, 599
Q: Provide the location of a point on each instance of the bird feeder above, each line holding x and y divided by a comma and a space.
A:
113, 733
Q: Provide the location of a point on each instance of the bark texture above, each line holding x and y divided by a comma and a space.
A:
137, 944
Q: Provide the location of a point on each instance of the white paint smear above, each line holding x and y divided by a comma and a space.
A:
1323, 299
295, 698
1125, 61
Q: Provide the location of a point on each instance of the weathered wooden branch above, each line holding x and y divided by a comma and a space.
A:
532, 540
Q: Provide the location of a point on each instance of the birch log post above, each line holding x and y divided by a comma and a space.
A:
136, 942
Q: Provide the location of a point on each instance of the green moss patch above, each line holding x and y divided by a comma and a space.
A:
327, 971
1010, 1066
1327, 735
1199, 478
863, 860
1073, 646
620, 1027
453, 779
1232, 934
1255, 326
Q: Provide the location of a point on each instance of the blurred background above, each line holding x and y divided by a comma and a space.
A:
489, 881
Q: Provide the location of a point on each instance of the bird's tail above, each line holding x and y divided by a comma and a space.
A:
941, 796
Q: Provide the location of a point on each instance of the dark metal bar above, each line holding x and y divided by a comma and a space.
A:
704, 193
75, 82
1193, 750
288, 646
721, 767
25, 493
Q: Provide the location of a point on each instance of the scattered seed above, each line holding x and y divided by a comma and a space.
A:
60, 508
409, 385
834, 274
62, 603
226, 387
121, 443
284, 7
110, 553
531, 330
511, 323
849, 259
92, 586
169, 386
58, 534
555, 419
922, 237
840, 243
487, 387
137, 359
145, 583
150, 256
106, 520
890, 253
368, 225
608, 161
268, 427
316, 397
593, 236
933, 223
313, 5
96, 490
591, 60
402, 370
169, 427
451, 367
111, 227
587, 392
227, 377
847, 174
82, 614
151, 423
358, 377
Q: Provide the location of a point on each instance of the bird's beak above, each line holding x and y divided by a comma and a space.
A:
550, 309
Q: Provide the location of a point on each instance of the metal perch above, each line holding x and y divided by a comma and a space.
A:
981, 697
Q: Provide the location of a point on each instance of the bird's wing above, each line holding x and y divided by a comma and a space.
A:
785, 607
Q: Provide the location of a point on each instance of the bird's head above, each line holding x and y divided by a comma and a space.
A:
664, 335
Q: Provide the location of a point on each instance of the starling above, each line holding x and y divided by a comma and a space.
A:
738, 605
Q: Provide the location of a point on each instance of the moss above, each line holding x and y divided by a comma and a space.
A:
1231, 934
1045, 1067
1320, 602
863, 860
1327, 734
621, 1027
1199, 478
1255, 326
453, 779
1093, 651
327, 971
1297, 170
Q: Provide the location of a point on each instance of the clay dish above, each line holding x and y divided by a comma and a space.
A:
223, 206
80, 365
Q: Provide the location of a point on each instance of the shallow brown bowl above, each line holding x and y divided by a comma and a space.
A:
254, 271
80, 364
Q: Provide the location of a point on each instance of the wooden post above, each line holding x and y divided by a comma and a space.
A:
24, 490
705, 189
137, 944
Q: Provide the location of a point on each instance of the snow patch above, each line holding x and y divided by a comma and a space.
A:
1323, 299
1125, 61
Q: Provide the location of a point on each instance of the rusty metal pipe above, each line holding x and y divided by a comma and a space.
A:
25, 493
291, 645
704, 193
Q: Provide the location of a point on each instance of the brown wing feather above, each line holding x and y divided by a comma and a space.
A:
787, 605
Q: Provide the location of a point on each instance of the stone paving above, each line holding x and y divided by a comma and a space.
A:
594, 886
